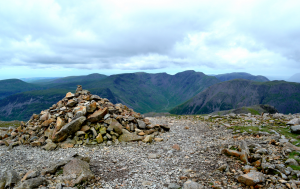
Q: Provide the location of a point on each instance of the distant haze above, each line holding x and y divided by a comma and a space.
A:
295, 78
52, 38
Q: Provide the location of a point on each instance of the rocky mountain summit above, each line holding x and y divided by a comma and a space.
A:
82, 119
212, 151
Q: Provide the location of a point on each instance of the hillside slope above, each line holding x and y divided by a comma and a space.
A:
12, 86
155, 92
22, 105
71, 79
141, 91
284, 96
241, 75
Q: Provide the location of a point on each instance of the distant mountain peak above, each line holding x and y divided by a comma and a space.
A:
241, 75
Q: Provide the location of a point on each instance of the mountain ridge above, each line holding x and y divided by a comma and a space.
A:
241, 75
141, 91
284, 96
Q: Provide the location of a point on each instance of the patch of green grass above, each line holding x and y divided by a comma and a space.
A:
253, 112
233, 148
286, 132
281, 130
295, 167
7, 124
255, 129
60, 172
293, 154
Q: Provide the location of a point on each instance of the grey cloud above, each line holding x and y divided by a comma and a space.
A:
145, 36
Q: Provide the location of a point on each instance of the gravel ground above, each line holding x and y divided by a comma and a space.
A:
129, 165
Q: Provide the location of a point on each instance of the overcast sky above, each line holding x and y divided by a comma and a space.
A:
52, 38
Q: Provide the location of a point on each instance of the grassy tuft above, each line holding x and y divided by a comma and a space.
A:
7, 124
295, 167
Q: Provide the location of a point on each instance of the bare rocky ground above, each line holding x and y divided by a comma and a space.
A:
138, 164
191, 150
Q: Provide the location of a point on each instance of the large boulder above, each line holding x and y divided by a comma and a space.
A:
192, 185
141, 124
252, 178
33, 183
127, 137
294, 121
295, 129
114, 125
98, 115
79, 168
68, 129
291, 162
9, 179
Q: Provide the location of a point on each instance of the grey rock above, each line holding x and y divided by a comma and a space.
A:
294, 121
262, 151
273, 131
53, 168
58, 186
173, 186
141, 124
68, 129
127, 136
31, 174
33, 183
114, 125
69, 115
291, 162
146, 183
106, 116
192, 185
263, 133
80, 168
9, 179
33, 138
72, 103
95, 97
2, 181
49, 146
283, 169
153, 156
267, 167
283, 140
256, 157
283, 176
252, 178
295, 129
94, 132
224, 168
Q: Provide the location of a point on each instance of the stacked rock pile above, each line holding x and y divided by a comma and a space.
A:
81, 119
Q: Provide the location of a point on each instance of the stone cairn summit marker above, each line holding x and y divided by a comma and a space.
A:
83, 119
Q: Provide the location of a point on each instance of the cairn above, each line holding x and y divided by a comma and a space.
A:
83, 119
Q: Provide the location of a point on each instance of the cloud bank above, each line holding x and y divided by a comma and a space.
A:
151, 35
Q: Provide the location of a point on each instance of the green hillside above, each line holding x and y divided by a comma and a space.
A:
284, 96
12, 86
21, 106
141, 91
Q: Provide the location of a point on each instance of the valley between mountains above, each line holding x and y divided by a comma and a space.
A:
187, 92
